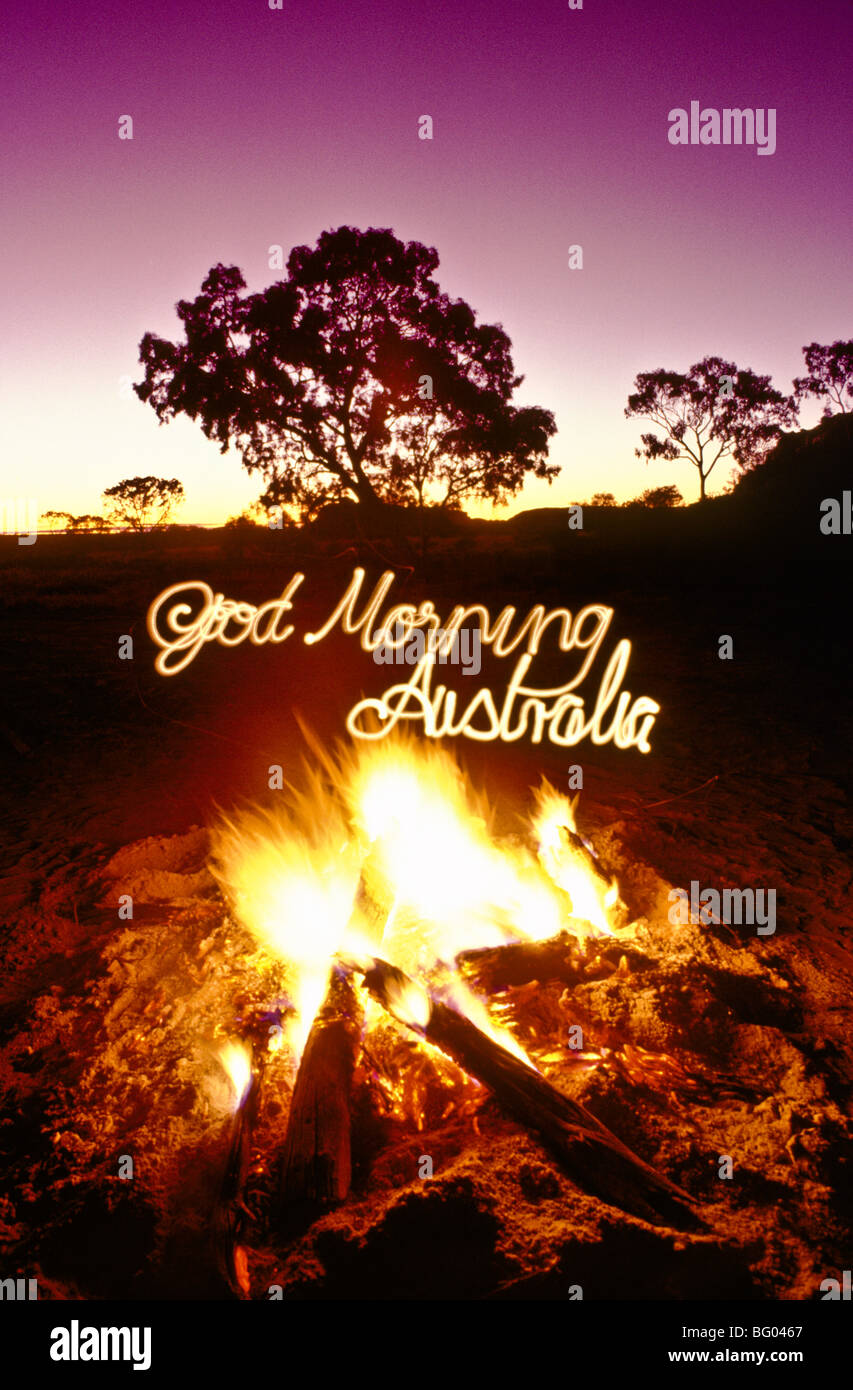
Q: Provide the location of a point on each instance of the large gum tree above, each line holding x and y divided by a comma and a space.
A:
355, 377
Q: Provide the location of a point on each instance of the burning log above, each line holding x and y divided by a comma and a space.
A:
373, 901
573, 865
588, 857
230, 1211
563, 957
589, 1152
316, 1168
497, 967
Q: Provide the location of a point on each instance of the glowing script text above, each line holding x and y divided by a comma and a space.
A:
186, 616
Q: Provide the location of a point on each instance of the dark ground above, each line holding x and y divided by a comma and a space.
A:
748, 784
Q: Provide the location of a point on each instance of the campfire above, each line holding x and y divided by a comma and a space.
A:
385, 1034
400, 917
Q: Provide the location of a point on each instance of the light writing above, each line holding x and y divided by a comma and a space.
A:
557, 713
211, 623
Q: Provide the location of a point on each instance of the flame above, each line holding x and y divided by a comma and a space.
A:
409, 1002
290, 875
465, 1002
399, 814
591, 897
237, 1061
454, 888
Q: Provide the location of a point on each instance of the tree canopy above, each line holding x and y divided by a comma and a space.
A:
666, 496
353, 377
829, 376
86, 522
143, 504
715, 410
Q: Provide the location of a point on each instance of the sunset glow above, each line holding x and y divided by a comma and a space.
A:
548, 131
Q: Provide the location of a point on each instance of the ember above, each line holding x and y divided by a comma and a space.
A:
400, 826
402, 819
418, 1005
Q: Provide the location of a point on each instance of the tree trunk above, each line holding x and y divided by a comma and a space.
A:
373, 512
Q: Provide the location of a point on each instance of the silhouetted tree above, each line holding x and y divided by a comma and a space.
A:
65, 517
245, 521
353, 377
143, 503
603, 499
667, 496
86, 522
830, 376
713, 411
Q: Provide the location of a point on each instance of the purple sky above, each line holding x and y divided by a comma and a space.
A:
254, 127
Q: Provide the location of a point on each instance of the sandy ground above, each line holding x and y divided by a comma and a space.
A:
109, 1027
